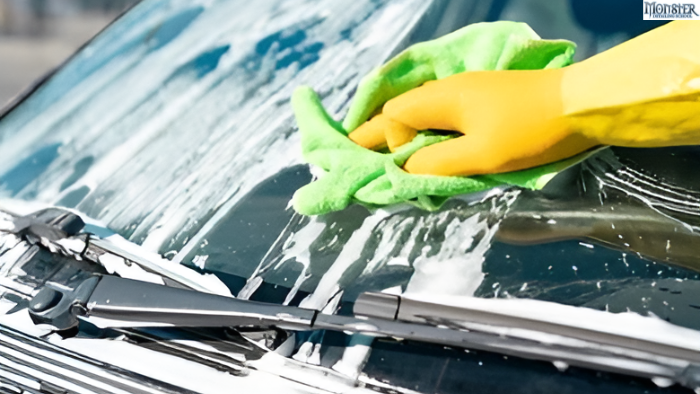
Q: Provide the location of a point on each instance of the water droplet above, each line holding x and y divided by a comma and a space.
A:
662, 382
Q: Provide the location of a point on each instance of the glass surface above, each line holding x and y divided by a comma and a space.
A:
181, 107
173, 127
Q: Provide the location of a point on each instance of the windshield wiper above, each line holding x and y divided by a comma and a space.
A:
118, 302
645, 347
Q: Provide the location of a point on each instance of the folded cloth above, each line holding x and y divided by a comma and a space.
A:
355, 174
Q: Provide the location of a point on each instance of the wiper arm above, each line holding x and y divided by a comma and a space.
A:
484, 315
122, 300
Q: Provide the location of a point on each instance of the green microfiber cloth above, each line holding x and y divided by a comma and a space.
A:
356, 174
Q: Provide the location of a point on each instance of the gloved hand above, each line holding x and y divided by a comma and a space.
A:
642, 93
353, 174
511, 120
481, 46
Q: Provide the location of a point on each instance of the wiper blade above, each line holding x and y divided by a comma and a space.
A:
122, 300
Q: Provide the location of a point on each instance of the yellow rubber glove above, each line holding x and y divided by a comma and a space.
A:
642, 93
382, 132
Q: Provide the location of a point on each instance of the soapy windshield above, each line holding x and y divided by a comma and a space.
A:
173, 128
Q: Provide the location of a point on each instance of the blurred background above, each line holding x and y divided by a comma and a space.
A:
38, 35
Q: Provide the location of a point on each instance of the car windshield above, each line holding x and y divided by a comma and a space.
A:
173, 128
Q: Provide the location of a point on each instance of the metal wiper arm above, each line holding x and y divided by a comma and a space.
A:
477, 317
123, 300
119, 299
